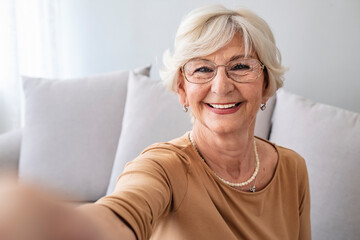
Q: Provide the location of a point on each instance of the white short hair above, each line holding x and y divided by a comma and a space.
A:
205, 30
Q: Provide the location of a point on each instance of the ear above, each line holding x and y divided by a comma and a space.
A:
265, 96
181, 89
264, 100
265, 87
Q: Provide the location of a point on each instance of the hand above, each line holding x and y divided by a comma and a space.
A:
28, 213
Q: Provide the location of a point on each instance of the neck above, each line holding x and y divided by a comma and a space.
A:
228, 154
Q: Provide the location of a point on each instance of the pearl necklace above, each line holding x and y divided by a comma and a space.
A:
241, 184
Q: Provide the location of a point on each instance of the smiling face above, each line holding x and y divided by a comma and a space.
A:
223, 105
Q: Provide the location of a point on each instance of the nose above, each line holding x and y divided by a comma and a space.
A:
222, 84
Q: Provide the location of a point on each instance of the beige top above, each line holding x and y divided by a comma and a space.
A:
168, 192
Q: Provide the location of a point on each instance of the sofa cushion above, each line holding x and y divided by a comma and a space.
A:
71, 132
152, 114
328, 138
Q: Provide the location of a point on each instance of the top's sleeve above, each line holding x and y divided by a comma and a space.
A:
150, 187
304, 207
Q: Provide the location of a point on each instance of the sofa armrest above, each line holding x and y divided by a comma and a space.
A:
10, 143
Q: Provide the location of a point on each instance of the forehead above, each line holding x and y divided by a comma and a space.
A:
233, 49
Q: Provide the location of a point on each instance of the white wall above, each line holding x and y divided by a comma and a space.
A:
318, 40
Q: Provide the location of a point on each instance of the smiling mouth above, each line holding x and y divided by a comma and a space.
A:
223, 106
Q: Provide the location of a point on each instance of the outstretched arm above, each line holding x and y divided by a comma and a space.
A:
27, 213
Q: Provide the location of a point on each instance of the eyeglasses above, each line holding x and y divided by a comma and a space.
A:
241, 70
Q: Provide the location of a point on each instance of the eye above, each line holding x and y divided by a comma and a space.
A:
203, 70
240, 66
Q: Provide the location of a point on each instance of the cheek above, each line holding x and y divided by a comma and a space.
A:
252, 92
253, 97
196, 93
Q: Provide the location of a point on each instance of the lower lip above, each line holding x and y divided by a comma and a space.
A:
224, 110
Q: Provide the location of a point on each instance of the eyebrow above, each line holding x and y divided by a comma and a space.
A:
231, 59
235, 57
240, 56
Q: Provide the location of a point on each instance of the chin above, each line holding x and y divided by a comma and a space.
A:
222, 125
228, 126
221, 129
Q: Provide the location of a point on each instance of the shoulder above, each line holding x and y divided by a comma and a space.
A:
291, 158
176, 146
167, 154
165, 162
294, 165
290, 163
169, 159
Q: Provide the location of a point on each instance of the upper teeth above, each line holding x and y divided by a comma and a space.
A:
222, 105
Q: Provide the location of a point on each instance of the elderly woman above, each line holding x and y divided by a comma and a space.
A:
218, 181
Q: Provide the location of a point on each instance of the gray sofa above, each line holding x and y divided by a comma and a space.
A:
80, 133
